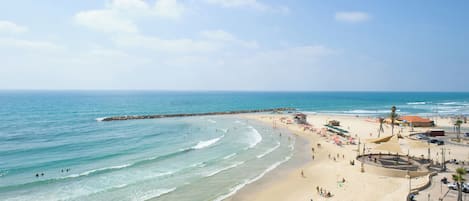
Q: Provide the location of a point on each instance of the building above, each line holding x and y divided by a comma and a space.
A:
333, 123
434, 133
416, 121
300, 118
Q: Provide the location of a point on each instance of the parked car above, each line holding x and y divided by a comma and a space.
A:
453, 186
436, 141
419, 136
466, 134
465, 187
433, 141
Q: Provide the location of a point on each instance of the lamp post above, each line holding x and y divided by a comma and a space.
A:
410, 180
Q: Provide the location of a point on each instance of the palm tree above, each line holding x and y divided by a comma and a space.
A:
381, 129
393, 117
458, 128
459, 179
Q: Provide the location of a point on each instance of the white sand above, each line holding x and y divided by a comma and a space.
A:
327, 173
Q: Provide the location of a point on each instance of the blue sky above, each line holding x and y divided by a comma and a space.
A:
235, 45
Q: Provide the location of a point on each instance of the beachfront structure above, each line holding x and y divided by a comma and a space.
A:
334, 123
300, 118
416, 121
436, 132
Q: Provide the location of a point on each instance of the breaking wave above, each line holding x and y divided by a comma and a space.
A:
269, 150
204, 144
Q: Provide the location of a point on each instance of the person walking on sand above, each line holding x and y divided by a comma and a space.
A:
302, 173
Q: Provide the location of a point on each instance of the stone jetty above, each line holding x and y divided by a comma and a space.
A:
158, 116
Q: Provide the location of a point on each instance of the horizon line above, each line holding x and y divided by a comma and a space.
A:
217, 90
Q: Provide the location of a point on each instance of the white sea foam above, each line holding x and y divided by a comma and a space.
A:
224, 169
204, 144
238, 187
255, 138
100, 118
449, 103
269, 150
120, 186
200, 164
225, 130
230, 156
366, 111
417, 103
154, 194
98, 170
212, 121
240, 122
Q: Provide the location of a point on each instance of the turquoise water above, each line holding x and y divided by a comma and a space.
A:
196, 158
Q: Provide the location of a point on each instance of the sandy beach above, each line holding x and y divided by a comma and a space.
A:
331, 164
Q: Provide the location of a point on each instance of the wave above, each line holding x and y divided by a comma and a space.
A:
120, 186
100, 118
204, 144
200, 164
230, 156
417, 103
225, 130
90, 172
3, 173
212, 121
256, 138
269, 150
155, 193
100, 170
449, 103
240, 122
238, 187
367, 111
224, 169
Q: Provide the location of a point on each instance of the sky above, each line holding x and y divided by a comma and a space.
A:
246, 45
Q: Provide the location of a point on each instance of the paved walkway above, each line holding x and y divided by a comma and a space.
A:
438, 190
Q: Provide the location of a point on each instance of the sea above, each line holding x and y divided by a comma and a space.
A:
53, 145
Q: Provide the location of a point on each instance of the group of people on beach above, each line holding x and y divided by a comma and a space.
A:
336, 158
323, 192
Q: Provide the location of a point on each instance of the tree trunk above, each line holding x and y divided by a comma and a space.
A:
460, 191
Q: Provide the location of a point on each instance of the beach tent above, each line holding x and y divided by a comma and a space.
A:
380, 140
391, 146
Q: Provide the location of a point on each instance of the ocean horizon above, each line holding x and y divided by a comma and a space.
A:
52, 146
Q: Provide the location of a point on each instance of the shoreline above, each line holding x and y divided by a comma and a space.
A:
298, 160
286, 182
327, 170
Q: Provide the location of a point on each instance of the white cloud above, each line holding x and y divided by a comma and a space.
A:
169, 9
228, 38
218, 35
28, 44
254, 4
138, 8
119, 15
10, 27
352, 17
239, 3
183, 45
211, 40
105, 21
